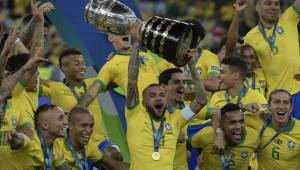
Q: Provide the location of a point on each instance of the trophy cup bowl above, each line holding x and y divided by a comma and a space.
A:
170, 39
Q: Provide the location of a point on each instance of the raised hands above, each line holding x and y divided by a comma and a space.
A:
240, 5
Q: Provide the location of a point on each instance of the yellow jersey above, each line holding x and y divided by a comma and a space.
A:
116, 71
16, 116
257, 82
140, 139
284, 151
93, 155
218, 100
29, 100
61, 95
239, 156
31, 156
208, 64
281, 66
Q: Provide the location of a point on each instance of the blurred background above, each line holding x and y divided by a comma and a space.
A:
215, 14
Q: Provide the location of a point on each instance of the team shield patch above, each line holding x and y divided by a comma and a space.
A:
280, 30
244, 155
14, 122
168, 127
291, 145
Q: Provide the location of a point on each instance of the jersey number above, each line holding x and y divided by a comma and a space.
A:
275, 153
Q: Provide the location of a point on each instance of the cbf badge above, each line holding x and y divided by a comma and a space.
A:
291, 145
168, 127
244, 155
274, 51
280, 30
14, 122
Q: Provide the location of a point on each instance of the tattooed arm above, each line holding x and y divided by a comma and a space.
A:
7, 47
38, 12
200, 94
10, 82
132, 98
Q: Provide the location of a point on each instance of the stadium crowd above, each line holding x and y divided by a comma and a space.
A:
237, 105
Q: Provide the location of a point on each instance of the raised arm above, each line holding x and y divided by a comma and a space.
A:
132, 98
7, 47
200, 99
10, 82
38, 12
233, 32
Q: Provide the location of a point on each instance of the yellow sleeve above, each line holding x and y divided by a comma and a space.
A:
93, 153
200, 139
58, 158
105, 75
262, 102
45, 90
213, 101
291, 15
212, 64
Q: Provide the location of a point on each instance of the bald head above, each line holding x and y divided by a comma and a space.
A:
77, 112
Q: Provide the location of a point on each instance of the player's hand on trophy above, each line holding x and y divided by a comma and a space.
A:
240, 5
135, 30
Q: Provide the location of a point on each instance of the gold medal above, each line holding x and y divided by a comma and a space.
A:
156, 156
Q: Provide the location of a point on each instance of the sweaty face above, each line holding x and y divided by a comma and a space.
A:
268, 10
249, 56
82, 128
175, 88
74, 67
57, 122
280, 107
155, 101
226, 76
120, 42
233, 126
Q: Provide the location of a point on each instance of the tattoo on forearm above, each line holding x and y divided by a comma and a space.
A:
133, 72
27, 32
3, 61
38, 41
200, 93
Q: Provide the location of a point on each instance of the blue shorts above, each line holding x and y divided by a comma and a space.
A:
296, 102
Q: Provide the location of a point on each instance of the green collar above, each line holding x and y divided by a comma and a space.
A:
290, 126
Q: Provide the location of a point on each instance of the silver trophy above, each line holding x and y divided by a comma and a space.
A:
170, 39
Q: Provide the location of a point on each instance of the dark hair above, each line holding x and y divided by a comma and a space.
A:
77, 110
165, 76
236, 64
148, 87
224, 39
280, 91
41, 109
67, 52
228, 108
198, 31
15, 62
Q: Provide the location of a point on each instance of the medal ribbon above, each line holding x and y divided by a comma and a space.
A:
225, 162
266, 124
3, 109
241, 95
157, 134
83, 164
48, 156
252, 84
73, 90
270, 41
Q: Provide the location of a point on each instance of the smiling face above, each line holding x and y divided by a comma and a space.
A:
56, 122
280, 106
268, 10
81, 128
74, 67
250, 57
175, 88
155, 101
233, 126
227, 77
